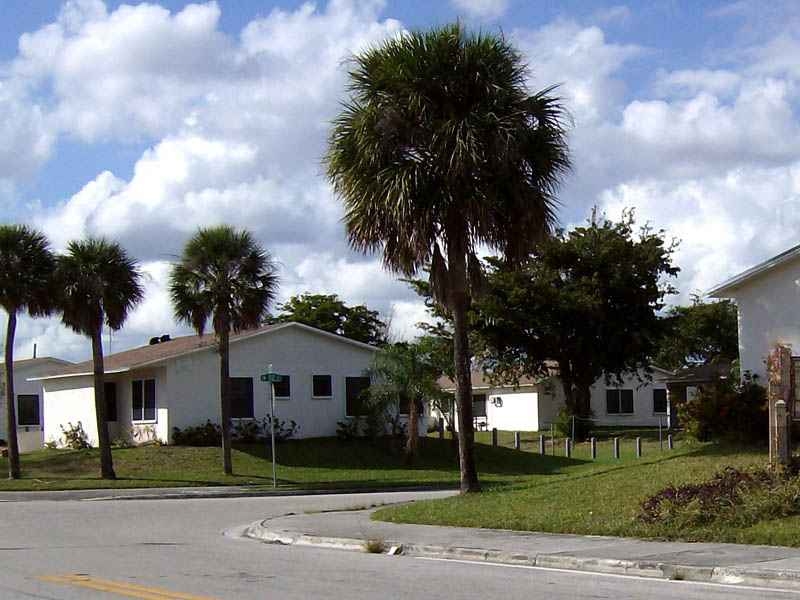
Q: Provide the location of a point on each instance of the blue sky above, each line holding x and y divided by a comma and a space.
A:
142, 122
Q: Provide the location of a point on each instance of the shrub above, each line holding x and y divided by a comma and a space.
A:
563, 425
284, 430
727, 408
731, 497
208, 434
75, 436
349, 429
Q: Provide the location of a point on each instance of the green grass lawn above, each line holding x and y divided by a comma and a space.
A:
323, 462
601, 497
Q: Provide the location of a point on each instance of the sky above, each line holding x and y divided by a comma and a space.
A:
143, 122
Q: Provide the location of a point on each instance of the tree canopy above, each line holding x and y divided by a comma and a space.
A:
587, 299
329, 313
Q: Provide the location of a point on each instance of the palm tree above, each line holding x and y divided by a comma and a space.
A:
442, 150
226, 277
406, 371
100, 286
26, 285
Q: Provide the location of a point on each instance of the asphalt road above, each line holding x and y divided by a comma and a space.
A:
176, 550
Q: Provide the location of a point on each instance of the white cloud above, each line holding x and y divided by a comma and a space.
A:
482, 9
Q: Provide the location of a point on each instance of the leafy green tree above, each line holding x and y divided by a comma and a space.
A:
329, 313
409, 373
441, 150
224, 276
26, 286
698, 334
100, 284
588, 299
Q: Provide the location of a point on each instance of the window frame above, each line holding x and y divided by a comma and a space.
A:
330, 386
37, 411
666, 402
346, 396
143, 383
485, 401
619, 399
252, 400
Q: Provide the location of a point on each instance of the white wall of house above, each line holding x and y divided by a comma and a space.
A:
69, 400
30, 437
768, 315
193, 380
517, 410
643, 414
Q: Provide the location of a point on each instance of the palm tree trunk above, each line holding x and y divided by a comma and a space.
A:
225, 400
413, 431
106, 461
461, 356
11, 413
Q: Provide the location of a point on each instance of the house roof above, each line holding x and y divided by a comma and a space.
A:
156, 354
722, 290
42, 360
719, 369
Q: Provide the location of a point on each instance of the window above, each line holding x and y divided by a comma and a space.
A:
322, 386
283, 388
354, 388
242, 398
28, 409
143, 399
619, 402
110, 389
479, 405
660, 401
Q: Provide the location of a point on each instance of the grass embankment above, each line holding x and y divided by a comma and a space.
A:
602, 497
310, 463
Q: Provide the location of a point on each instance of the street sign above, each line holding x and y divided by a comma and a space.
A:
272, 378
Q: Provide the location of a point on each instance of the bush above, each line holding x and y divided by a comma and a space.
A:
349, 429
208, 434
75, 436
284, 430
243, 432
563, 425
731, 497
727, 408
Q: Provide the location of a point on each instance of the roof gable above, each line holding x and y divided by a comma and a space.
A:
724, 289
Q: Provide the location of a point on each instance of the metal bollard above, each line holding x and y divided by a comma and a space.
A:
616, 447
541, 445
638, 447
494, 437
517, 440
670, 443
568, 447
593, 447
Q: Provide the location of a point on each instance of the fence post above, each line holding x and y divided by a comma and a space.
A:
494, 437
616, 447
638, 447
568, 447
593, 446
670, 443
541, 445
517, 440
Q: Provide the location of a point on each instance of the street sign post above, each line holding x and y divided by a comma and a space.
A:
272, 379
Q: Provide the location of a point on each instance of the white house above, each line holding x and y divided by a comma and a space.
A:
768, 298
28, 400
636, 401
175, 383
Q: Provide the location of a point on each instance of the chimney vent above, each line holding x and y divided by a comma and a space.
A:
154, 340
165, 338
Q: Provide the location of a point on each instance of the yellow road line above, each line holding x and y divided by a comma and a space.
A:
130, 590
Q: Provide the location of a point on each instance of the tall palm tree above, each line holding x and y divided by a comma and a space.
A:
226, 277
26, 285
441, 150
100, 285
407, 372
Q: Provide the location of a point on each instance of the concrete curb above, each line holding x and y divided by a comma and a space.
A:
778, 579
100, 494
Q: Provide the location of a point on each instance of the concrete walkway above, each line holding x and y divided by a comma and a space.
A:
766, 566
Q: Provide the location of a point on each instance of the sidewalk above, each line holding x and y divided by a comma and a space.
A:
766, 566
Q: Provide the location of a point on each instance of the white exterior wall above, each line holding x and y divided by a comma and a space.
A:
193, 380
768, 315
513, 410
642, 416
69, 400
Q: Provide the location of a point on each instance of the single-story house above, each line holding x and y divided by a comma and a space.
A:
175, 383
767, 297
29, 399
532, 405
